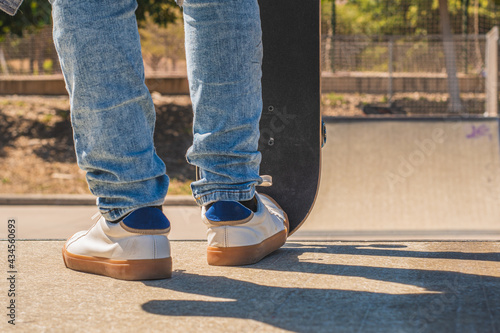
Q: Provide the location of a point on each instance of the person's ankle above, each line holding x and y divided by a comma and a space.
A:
124, 216
251, 204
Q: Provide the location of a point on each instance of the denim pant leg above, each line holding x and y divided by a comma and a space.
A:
224, 59
112, 112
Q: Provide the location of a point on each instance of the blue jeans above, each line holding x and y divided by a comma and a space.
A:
113, 115
10, 6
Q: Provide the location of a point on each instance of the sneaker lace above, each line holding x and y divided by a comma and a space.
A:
267, 180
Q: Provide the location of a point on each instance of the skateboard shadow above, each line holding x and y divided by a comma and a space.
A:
447, 300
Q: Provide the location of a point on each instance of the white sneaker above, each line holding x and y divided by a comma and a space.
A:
238, 236
136, 248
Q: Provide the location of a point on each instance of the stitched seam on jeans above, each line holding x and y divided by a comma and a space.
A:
200, 5
120, 105
219, 83
223, 191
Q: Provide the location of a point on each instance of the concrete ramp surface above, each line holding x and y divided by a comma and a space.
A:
408, 179
381, 179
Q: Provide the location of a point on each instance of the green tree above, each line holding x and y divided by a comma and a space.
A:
32, 16
35, 14
160, 12
410, 17
161, 43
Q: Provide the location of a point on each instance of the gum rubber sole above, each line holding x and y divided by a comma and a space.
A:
147, 269
247, 255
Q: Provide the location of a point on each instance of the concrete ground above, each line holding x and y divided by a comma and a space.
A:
304, 287
60, 222
362, 262
382, 179
307, 286
415, 178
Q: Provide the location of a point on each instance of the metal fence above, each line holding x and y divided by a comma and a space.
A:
32, 54
408, 72
35, 54
405, 54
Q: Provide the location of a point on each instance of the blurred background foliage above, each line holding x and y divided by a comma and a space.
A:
339, 17
36, 14
406, 17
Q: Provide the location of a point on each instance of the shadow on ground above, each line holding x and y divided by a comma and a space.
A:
472, 106
451, 301
173, 136
6, 133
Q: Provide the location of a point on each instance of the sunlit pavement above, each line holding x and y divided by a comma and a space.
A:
303, 287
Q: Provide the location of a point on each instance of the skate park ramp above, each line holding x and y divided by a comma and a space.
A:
381, 179
408, 179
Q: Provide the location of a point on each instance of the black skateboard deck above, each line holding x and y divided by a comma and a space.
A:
291, 127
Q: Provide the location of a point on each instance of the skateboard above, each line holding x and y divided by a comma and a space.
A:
292, 132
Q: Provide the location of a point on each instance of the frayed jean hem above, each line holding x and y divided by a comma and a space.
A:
225, 195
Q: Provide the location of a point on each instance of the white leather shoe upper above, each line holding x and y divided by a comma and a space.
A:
112, 241
266, 222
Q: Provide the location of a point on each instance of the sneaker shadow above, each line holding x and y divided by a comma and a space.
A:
446, 301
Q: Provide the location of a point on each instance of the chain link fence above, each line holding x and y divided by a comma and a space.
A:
32, 54
402, 74
418, 55
35, 54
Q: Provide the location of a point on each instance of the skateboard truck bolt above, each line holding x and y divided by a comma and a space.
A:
270, 108
271, 141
